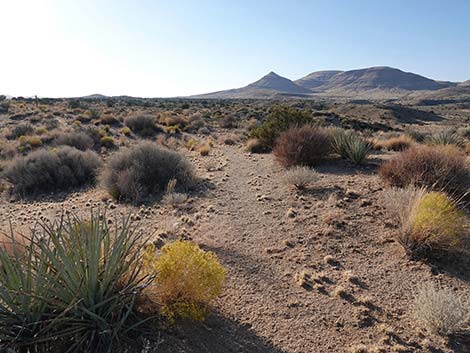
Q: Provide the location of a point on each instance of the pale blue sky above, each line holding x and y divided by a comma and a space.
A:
168, 48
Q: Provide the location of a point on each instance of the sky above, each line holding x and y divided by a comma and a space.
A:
145, 48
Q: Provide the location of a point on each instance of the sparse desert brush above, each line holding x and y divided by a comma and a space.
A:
279, 119
438, 167
429, 221
441, 311
126, 131
447, 137
142, 125
306, 145
107, 141
399, 143
41, 130
349, 145
110, 120
20, 130
171, 197
47, 170
75, 291
300, 177
144, 170
78, 139
204, 149
254, 145
188, 279
31, 142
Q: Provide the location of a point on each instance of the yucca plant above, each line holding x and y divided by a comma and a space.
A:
95, 276
447, 137
73, 288
350, 145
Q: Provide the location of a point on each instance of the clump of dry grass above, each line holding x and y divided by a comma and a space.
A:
428, 221
441, 311
254, 145
398, 143
300, 177
438, 167
172, 197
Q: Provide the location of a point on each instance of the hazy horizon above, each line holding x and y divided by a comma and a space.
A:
155, 49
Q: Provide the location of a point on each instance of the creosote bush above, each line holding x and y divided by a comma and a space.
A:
399, 143
48, 170
306, 145
279, 119
441, 311
73, 286
429, 221
438, 167
133, 174
188, 279
142, 125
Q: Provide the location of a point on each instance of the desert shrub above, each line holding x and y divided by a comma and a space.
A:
399, 143
110, 120
107, 141
94, 113
7, 150
417, 136
204, 149
300, 177
188, 278
142, 125
75, 291
349, 145
254, 145
227, 122
279, 119
171, 197
306, 145
30, 142
145, 170
20, 130
429, 221
447, 137
441, 311
126, 131
80, 140
52, 170
51, 124
439, 167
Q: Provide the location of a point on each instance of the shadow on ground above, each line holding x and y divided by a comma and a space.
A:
216, 335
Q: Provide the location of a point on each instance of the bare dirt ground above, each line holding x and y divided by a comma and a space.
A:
358, 285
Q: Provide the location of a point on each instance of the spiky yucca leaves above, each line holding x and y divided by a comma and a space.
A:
350, 145
95, 279
73, 288
24, 296
447, 137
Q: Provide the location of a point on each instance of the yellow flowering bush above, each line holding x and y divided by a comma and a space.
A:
188, 279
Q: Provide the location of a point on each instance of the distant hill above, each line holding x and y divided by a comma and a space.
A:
373, 82
268, 86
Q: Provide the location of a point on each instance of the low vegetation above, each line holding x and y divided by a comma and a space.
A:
441, 311
188, 281
429, 221
302, 146
49, 170
142, 125
350, 145
143, 171
438, 167
79, 140
300, 177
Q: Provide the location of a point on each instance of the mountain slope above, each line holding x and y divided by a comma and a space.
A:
317, 79
268, 86
382, 77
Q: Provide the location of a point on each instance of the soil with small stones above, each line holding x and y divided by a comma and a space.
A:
316, 271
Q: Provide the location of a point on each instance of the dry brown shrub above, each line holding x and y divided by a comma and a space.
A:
306, 145
437, 167
398, 143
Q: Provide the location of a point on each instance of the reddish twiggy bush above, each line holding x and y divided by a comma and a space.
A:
306, 145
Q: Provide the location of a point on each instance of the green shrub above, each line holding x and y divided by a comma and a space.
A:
52, 170
107, 141
350, 145
143, 171
188, 279
73, 288
447, 137
142, 125
279, 119
306, 145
